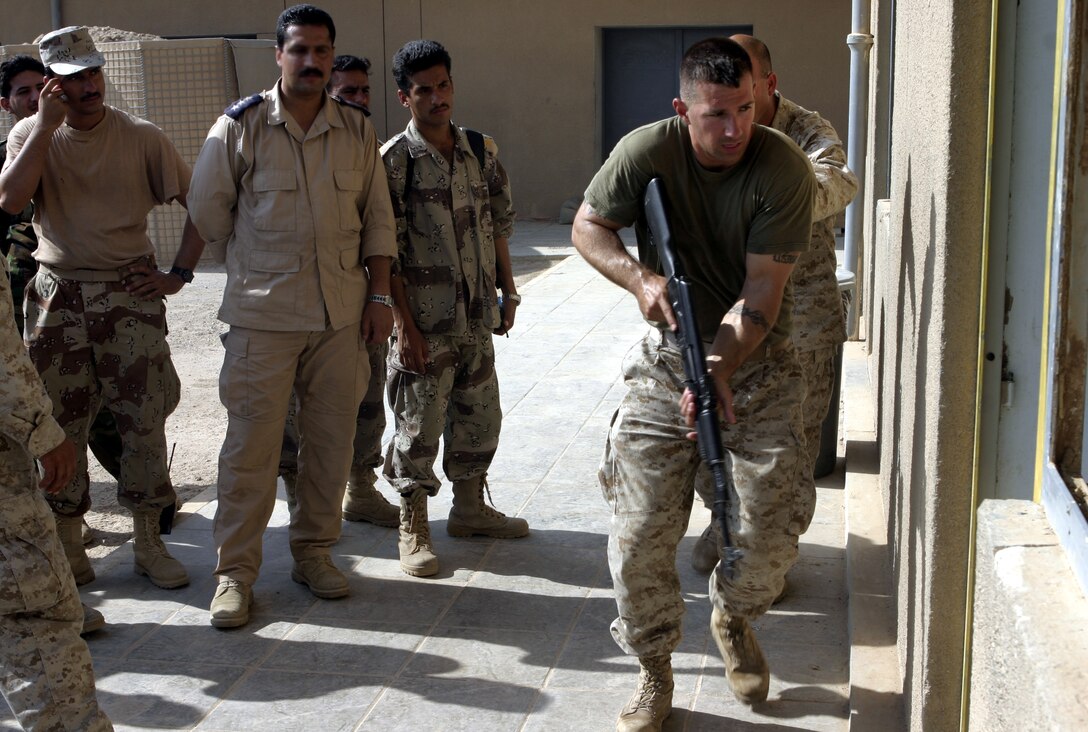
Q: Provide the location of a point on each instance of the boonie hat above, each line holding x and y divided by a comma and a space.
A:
69, 51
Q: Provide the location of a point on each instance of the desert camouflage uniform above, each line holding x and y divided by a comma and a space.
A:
651, 501
47, 675
19, 246
369, 423
818, 323
91, 341
447, 223
94, 342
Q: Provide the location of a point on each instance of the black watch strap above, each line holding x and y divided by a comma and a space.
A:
186, 275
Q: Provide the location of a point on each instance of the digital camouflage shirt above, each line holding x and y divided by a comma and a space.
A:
817, 306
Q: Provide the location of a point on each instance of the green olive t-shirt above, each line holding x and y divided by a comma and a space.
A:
761, 205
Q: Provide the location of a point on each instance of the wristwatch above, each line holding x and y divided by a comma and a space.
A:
386, 300
514, 298
186, 275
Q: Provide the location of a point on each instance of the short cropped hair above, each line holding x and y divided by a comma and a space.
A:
347, 62
302, 15
714, 61
758, 51
15, 66
416, 56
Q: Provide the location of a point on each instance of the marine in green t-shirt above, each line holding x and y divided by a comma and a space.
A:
719, 216
739, 198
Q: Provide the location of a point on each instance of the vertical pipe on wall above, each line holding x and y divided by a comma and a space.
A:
860, 41
55, 14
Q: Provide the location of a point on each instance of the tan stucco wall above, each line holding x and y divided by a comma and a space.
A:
526, 72
926, 290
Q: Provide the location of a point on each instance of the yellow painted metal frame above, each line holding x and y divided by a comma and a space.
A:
1041, 450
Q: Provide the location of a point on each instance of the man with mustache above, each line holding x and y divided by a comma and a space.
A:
95, 316
350, 82
454, 215
290, 181
21, 81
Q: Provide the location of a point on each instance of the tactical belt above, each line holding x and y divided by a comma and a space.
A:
96, 275
82, 275
763, 350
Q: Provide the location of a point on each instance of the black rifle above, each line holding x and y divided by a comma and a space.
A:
698, 379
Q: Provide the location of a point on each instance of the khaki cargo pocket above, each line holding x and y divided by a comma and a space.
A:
349, 259
606, 472
234, 376
349, 187
29, 580
276, 194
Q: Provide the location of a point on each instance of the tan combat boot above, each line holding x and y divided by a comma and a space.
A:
652, 702
321, 576
363, 502
417, 556
92, 620
70, 531
745, 667
471, 515
152, 558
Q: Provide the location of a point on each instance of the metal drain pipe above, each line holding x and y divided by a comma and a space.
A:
860, 42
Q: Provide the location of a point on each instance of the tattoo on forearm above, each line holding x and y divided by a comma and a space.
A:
786, 258
756, 316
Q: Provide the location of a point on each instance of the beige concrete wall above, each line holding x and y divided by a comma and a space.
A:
526, 72
926, 291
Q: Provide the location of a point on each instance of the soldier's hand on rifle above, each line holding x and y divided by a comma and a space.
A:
689, 407
652, 294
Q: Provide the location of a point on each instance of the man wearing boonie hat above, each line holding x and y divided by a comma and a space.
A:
95, 316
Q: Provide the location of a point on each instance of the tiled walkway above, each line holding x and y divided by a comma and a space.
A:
511, 635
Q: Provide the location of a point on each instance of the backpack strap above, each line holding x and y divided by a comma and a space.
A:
476, 144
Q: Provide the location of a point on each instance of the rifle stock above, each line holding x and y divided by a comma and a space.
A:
697, 378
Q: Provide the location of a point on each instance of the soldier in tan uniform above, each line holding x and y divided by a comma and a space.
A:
21, 81
47, 675
95, 317
290, 181
818, 323
350, 82
454, 215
